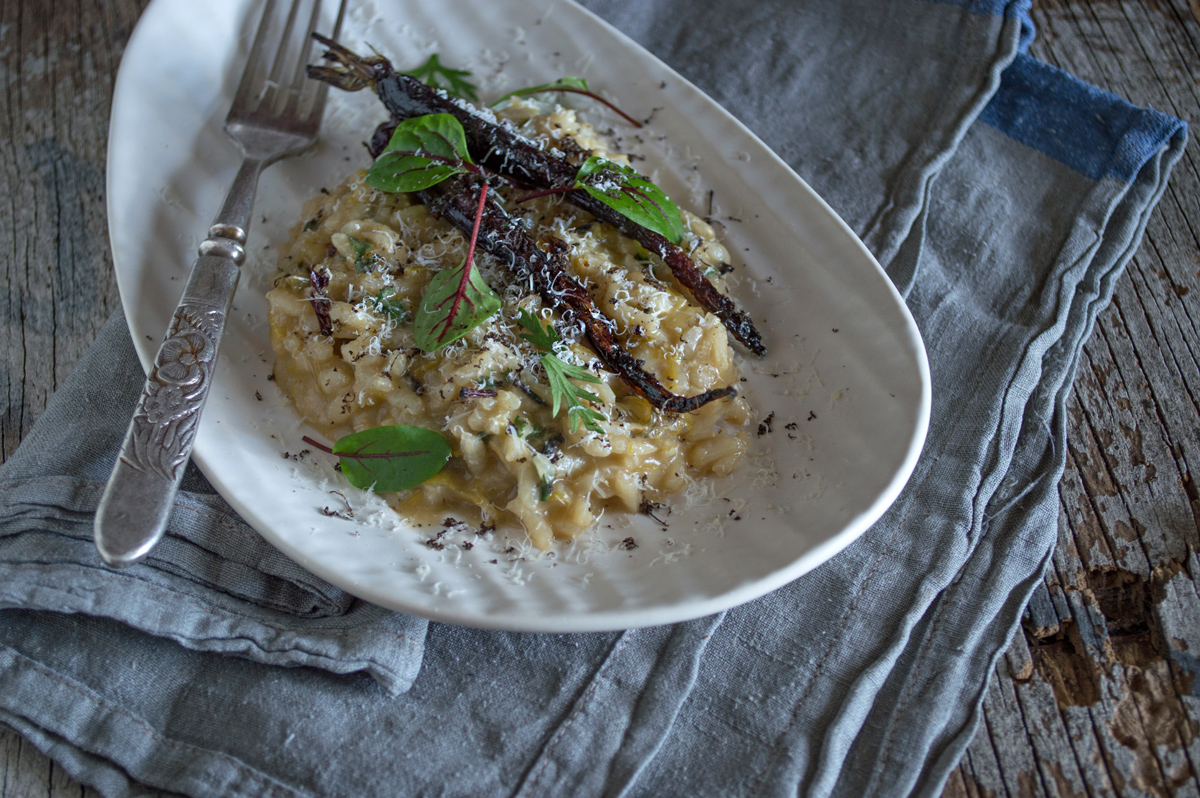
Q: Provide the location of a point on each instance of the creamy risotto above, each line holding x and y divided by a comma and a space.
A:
514, 462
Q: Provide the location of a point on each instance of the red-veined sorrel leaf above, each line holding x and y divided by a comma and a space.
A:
632, 196
391, 458
422, 152
566, 82
456, 301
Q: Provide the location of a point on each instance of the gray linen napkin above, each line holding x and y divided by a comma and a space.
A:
1003, 207
212, 584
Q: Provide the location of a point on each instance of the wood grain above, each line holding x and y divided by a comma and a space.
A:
1097, 695
58, 60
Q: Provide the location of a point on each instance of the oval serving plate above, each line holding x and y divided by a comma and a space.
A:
846, 378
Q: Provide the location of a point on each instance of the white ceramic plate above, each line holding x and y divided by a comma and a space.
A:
846, 377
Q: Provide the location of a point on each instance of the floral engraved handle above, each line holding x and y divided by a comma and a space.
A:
164, 424
137, 502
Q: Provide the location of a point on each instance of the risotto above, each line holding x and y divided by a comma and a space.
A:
514, 462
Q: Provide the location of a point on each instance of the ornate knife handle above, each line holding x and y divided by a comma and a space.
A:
137, 502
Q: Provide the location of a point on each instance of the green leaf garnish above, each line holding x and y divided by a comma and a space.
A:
392, 308
563, 390
631, 195
361, 263
391, 458
456, 301
543, 338
566, 82
559, 374
422, 152
434, 73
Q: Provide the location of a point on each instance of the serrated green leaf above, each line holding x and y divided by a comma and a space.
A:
434, 73
422, 152
589, 417
451, 307
562, 390
565, 82
631, 195
542, 337
559, 374
416, 454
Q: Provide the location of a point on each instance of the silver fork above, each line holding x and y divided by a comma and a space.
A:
276, 113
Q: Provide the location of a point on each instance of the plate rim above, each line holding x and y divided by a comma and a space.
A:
591, 620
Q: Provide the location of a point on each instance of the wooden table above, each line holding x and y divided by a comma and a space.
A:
1097, 696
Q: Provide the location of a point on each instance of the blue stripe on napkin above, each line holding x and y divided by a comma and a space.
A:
1090, 130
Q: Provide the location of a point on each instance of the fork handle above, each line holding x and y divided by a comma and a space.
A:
140, 494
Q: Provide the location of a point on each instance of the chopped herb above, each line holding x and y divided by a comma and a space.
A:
392, 308
764, 427
362, 264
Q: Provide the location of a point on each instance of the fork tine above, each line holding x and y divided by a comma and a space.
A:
249, 75
275, 85
300, 76
318, 105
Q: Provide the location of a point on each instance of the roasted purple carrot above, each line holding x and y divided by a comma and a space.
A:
506, 152
455, 200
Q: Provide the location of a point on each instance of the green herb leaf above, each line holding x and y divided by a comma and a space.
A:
392, 308
542, 337
567, 82
422, 152
361, 263
433, 73
559, 374
631, 195
452, 307
456, 301
386, 459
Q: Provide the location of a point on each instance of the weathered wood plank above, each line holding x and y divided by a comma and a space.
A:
58, 61
1113, 639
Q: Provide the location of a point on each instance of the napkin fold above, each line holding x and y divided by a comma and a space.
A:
1003, 197
212, 584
